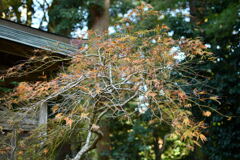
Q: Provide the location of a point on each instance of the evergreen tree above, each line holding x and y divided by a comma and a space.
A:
216, 22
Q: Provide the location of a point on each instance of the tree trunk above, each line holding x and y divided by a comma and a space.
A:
99, 17
156, 148
13, 145
197, 11
98, 21
30, 9
103, 146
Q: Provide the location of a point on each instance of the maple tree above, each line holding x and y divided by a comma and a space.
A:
134, 66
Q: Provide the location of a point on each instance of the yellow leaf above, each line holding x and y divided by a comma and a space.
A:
206, 113
215, 98
202, 137
229, 119
84, 115
59, 116
98, 89
151, 94
182, 95
198, 144
202, 92
55, 108
188, 105
20, 153
45, 57
187, 134
68, 121
186, 121
45, 151
95, 127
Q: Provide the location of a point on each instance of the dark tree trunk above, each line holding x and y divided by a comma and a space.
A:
63, 151
156, 144
99, 17
197, 11
99, 22
103, 146
156, 149
29, 9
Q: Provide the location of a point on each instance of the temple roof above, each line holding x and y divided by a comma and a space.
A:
14, 35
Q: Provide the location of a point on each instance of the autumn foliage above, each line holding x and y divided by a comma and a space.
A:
140, 67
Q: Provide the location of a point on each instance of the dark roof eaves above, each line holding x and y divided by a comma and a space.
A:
36, 41
38, 30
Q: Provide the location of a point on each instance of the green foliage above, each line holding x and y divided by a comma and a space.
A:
13, 10
221, 24
65, 16
176, 149
166, 4
219, 28
9, 88
141, 140
181, 27
5, 90
130, 142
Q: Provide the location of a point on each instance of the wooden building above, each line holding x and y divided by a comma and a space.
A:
17, 43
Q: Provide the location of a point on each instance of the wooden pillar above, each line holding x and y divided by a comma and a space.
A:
43, 114
42, 121
13, 142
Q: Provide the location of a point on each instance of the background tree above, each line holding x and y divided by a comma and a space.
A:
23, 11
217, 23
14, 10
65, 16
